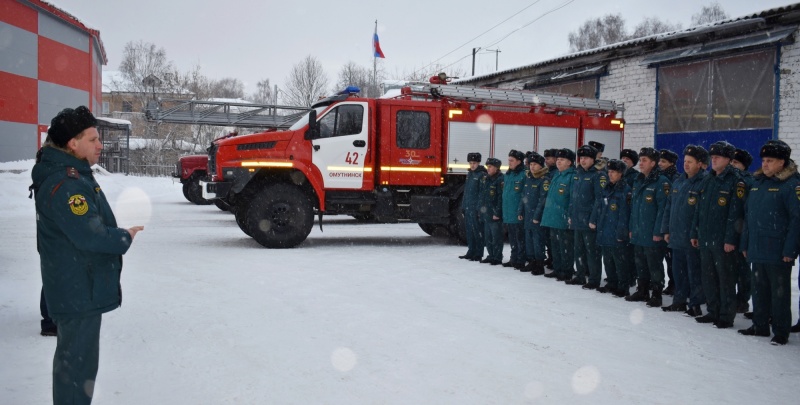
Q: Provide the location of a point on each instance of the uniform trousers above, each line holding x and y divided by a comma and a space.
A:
719, 282
76, 359
772, 297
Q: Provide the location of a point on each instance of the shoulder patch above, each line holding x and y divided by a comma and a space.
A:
78, 205
740, 189
666, 187
73, 172
797, 192
603, 181
546, 185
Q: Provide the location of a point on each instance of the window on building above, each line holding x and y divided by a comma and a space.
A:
105, 107
341, 121
584, 88
726, 93
127, 106
413, 130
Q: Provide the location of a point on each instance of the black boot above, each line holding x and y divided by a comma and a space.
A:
674, 308
529, 267
576, 281
655, 299
670, 290
520, 266
693, 312
641, 294
795, 328
748, 315
742, 307
508, 264
552, 274
538, 268
621, 292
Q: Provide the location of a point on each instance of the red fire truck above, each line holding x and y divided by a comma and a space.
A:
399, 159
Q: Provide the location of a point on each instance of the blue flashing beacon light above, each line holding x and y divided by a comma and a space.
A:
350, 90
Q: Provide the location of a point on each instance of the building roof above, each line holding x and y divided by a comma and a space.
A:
116, 82
74, 21
653, 43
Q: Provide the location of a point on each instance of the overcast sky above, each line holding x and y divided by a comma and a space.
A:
257, 39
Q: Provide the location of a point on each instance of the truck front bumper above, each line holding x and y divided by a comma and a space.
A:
215, 189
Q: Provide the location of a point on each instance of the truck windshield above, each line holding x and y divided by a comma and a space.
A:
303, 121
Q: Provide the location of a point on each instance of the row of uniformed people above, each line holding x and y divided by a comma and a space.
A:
607, 212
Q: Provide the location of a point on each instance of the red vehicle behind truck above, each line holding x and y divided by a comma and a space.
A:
397, 159
190, 170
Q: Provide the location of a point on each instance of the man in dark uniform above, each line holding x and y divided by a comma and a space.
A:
470, 204
631, 159
647, 212
587, 194
552, 169
80, 249
513, 181
531, 206
744, 284
666, 165
492, 211
716, 231
612, 230
555, 216
770, 240
678, 217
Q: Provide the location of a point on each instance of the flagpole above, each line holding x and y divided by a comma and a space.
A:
374, 61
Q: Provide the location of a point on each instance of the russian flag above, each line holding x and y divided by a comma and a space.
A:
376, 45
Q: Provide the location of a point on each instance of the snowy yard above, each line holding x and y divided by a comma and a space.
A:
358, 314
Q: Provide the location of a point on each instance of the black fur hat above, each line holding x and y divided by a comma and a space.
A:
516, 154
550, 153
668, 155
474, 157
566, 154
68, 123
651, 153
597, 145
617, 165
722, 148
630, 154
587, 150
776, 149
744, 157
494, 162
533, 157
698, 152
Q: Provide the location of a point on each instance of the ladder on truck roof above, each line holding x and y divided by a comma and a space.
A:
479, 94
224, 113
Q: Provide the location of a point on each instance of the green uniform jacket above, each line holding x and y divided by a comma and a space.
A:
557, 202
513, 181
648, 201
587, 197
492, 196
720, 210
534, 193
772, 217
471, 201
80, 246
630, 176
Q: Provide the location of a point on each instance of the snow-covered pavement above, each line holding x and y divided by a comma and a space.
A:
358, 314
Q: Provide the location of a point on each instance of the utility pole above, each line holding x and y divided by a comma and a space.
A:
474, 52
496, 58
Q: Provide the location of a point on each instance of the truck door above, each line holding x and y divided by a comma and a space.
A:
416, 147
341, 148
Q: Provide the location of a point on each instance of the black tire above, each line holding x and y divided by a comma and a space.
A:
222, 205
240, 213
196, 192
280, 216
435, 230
186, 191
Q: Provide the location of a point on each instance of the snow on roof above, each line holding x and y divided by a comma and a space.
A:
743, 21
150, 143
114, 121
115, 81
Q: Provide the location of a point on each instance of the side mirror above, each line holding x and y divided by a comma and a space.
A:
313, 127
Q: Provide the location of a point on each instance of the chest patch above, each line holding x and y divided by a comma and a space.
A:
612, 207
692, 200
78, 205
722, 201
648, 198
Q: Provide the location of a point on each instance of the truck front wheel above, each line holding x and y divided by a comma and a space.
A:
186, 186
280, 216
196, 192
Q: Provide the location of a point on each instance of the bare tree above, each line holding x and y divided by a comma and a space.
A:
263, 93
424, 73
227, 87
307, 82
141, 60
352, 74
653, 25
708, 14
598, 32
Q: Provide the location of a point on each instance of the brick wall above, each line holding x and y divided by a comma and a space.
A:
634, 85
789, 106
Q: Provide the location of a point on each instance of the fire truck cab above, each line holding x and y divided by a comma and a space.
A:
394, 160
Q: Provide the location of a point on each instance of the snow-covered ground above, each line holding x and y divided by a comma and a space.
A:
358, 314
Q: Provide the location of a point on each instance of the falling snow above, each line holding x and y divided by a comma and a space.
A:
359, 313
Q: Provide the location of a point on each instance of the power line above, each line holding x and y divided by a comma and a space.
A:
509, 34
479, 35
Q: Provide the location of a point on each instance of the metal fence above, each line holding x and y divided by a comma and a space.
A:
152, 170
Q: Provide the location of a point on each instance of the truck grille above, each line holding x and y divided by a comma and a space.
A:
212, 159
